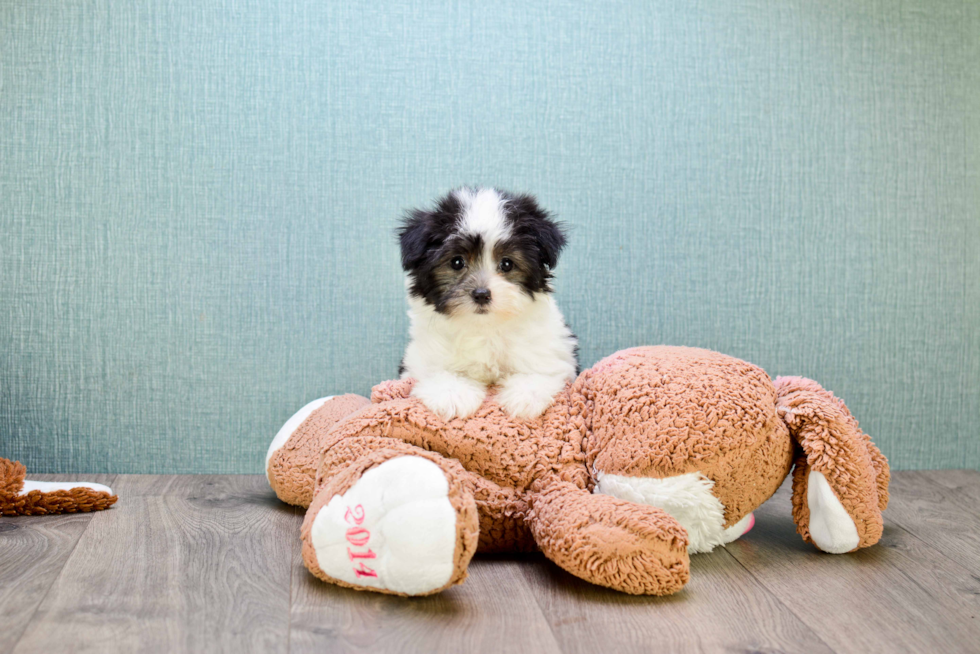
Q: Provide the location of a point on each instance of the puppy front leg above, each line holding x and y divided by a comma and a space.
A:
528, 395
449, 395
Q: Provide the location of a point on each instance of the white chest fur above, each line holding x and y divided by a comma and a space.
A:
487, 349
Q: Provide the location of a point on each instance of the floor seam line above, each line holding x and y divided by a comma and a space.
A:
292, 574
775, 597
929, 546
54, 581
541, 612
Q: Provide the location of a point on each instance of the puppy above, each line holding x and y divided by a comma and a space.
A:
478, 267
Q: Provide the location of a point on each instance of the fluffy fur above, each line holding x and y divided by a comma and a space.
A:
478, 269
692, 441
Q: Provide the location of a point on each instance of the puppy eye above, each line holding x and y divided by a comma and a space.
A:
506, 265
457, 263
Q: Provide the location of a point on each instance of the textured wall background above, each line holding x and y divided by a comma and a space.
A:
197, 198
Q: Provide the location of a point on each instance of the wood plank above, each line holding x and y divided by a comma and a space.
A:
197, 563
965, 485
33, 551
206, 568
723, 608
899, 596
492, 611
936, 514
192, 486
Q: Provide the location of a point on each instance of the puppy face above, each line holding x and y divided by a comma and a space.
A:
480, 252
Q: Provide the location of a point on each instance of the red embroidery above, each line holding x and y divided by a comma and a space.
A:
361, 555
364, 571
355, 515
358, 537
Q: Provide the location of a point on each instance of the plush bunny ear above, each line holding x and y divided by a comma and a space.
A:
533, 222
19, 496
840, 481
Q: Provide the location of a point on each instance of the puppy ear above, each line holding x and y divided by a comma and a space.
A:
551, 240
414, 236
548, 234
422, 231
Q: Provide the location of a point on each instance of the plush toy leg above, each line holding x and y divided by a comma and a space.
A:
396, 521
502, 510
293, 456
19, 496
630, 547
840, 480
688, 498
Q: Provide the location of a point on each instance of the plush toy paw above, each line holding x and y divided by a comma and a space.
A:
635, 548
528, 396
394, 530
450, 396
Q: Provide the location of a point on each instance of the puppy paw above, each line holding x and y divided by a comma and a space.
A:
450, 396
528, 396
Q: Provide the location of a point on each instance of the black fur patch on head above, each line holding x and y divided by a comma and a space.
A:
423, 237
422, 232
535, 239
430, 240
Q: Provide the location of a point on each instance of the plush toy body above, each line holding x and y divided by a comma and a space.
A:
653, 453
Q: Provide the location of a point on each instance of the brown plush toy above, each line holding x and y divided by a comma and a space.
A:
20, 496
652, 454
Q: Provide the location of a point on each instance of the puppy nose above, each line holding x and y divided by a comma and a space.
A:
481, 296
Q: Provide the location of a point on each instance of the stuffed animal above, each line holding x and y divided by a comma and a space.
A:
652, 454
19, 496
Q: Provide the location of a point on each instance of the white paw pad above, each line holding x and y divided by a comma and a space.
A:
831, 528
394, 529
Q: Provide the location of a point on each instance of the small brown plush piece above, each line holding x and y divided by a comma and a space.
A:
21, 497
652, 454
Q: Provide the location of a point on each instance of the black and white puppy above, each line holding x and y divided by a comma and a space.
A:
478, 269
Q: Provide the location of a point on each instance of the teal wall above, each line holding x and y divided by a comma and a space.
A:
197, 199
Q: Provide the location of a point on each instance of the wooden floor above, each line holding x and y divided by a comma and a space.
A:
211, 563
